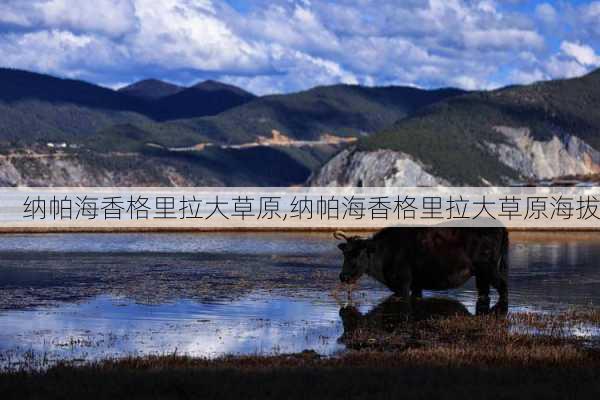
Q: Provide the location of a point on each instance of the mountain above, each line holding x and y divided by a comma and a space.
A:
66, 132
41, 107
202, 99
215, 86
19, 86
343, 110
151, 89
539, 131
257, 166
36, 107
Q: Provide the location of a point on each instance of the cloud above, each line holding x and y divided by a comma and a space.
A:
526, 77
546, 12
179, 34
296, 70
287, 45
583, 54
586, 19
504, 39
574, 59
51, 51
109, 17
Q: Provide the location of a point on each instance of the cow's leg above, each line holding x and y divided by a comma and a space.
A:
400, 278
499, 283
500, 275
403, 290
482, 280
404, 284
416, 291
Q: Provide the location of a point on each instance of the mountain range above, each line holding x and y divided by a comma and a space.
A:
515, 134
205, 134
66, 132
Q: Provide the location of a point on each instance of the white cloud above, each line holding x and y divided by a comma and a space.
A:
11, 13
562, 68
504, 39
546, 12
190, 34
111, 17
526, 77
289, 45
108, 17
590, 13
583, 54
465, 82
574, 59
53, 51
300, 71
297, 27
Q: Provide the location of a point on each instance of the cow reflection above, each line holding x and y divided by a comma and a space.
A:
396, 312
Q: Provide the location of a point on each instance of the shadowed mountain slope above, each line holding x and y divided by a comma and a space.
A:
128, 137
151, 89
538, 131
205, 98
342, 110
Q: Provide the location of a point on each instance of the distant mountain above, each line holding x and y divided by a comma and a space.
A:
215, 86
539, 131
340, 109
35, 106
205, 98
41, 107
166, 101
151, 89
18, 86
144, 136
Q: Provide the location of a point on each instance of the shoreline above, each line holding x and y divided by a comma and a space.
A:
448, 358
106, 229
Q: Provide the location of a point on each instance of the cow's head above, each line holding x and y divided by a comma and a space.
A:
356, 256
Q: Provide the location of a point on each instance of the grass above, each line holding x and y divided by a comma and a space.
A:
445, 358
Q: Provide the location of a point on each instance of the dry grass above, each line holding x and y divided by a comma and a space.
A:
517, 340
447, 358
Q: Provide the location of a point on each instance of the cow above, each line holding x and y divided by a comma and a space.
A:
410, 259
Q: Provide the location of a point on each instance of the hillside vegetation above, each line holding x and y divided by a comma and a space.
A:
151, 89
140, 133
452, 137
344, 110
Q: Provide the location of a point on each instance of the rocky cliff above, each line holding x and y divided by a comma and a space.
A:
378, 168
516, 134
558, 156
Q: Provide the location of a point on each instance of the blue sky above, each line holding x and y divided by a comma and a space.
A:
288, 45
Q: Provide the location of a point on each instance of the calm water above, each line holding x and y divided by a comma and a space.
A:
85, 297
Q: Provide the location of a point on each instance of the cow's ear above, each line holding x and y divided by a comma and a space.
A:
342, 246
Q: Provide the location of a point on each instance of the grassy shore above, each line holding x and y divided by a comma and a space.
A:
518, 356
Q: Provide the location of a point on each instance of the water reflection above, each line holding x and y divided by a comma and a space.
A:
95, 296
396, 314
107, 326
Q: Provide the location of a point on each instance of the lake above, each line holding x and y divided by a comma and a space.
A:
84, 297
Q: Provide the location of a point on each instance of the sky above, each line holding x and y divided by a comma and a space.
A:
281, 46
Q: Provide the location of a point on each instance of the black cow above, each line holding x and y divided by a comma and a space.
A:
410, 259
